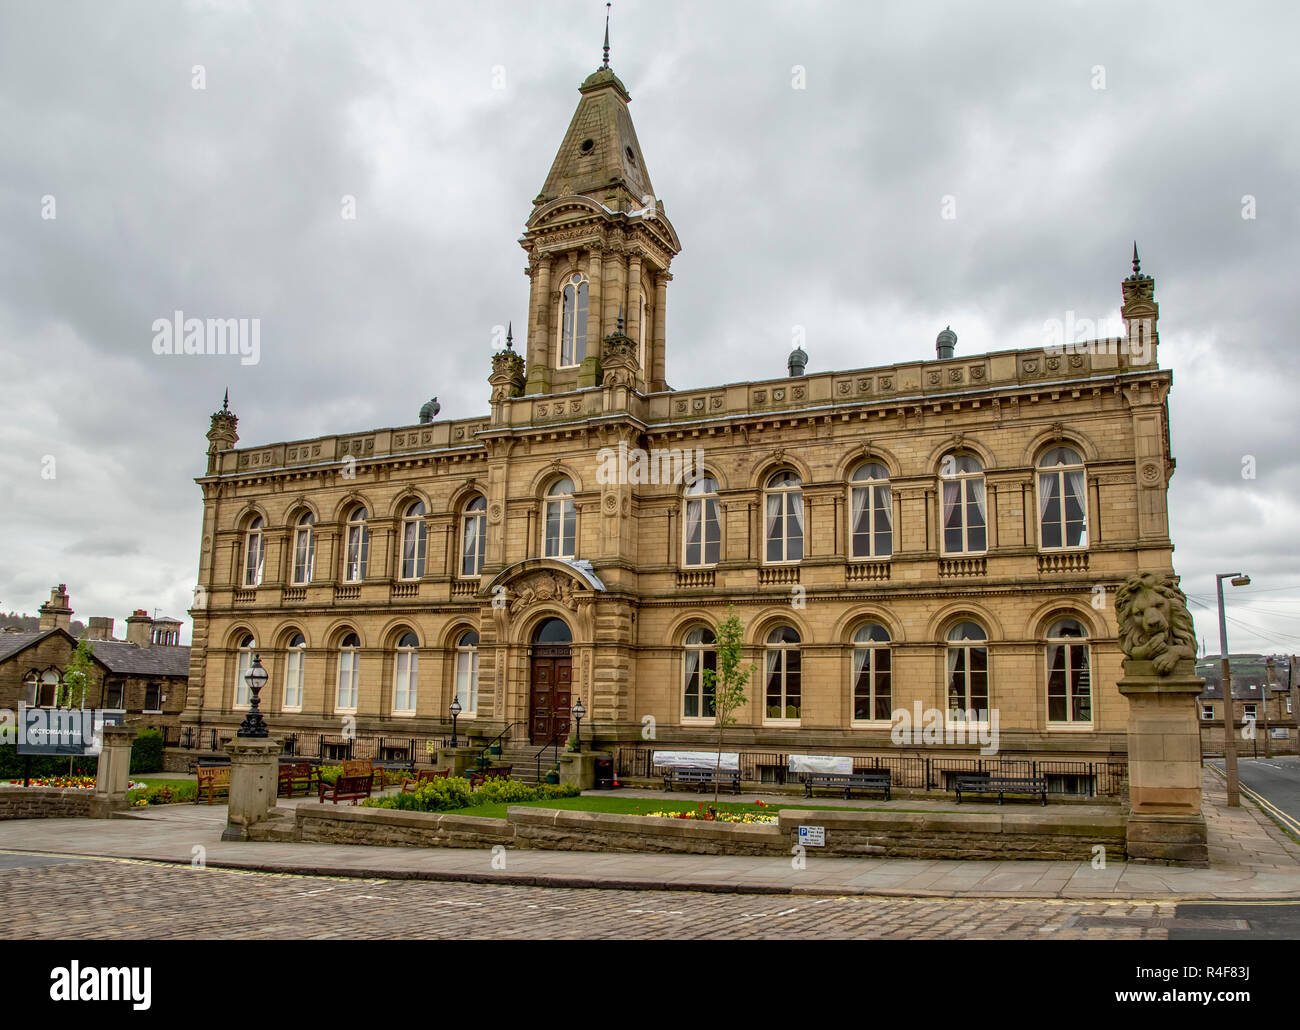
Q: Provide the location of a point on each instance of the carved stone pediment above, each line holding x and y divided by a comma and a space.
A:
542, 586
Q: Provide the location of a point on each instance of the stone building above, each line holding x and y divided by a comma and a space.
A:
1268, 705
944, 532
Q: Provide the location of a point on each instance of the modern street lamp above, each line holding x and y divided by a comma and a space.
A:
455, 710
578, 713
1229, 742
253, 724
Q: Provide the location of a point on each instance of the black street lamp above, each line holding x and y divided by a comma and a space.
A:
455, 713
578, 713
253, 725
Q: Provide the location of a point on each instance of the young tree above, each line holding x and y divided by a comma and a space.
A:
77, 679
727, 683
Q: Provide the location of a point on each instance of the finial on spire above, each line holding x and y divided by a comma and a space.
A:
225, 401
1137, 265
620, 320
605, 62
510, 337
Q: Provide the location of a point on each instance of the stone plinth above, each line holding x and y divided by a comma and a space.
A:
254, 779
457, 760
1164, 764
113, 774
578, 769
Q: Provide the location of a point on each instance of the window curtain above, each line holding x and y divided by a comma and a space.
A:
1046, 492
469, 548
693, 512
951, 494
860, 500
977, 495
775, 545
796, 515
692, 705
885, 506
1077, 486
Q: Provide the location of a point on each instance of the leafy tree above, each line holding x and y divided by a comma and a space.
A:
727, 682
78, 678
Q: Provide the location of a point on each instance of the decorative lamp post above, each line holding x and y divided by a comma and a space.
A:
578, 713
455, 710
253, 725
1229, 720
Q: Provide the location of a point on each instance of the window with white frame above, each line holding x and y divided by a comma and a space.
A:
1069, 673
293, 672
782, 670
473, 536
31, 686
872, 692
49, 693
345, 697
304, 548
871, 512
561, 521
783, 505
357, 553
698, 656
243, 666
964, 520
414, 541
467, 673
968, 673
1248, 711
573, 321
1062, 499
1207, 712
406, 673
153, 698
254, 553
701, 529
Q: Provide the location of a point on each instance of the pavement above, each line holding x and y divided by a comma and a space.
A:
1251, 860
1274, 785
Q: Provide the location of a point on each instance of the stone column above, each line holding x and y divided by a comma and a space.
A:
655, 373
113, 775
595, 326
254, 780
539, 340
1164, 764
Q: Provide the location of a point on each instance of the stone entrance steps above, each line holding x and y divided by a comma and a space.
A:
522, 760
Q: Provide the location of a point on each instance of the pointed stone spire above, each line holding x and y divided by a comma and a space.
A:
510, 336
225, 401
1137, 265
605, 62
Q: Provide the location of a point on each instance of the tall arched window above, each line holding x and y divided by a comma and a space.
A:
871, 512
698, 656
782, 667
701, 527
964, 521
561, 522
48, 697
406, 673
1062, 499
414, 541
467, 673
358, 546
31, 688
345, 698
473, 536
1069, 673
968, 673
254, 553
304, 548
573, 321
293, 673
872, 694
242, 667
784, 525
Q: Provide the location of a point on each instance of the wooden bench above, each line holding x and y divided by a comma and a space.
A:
345, 788
361, 767
424, 776
1001, 785
876, 780
477, 777
214, 779
700, 776
300, 776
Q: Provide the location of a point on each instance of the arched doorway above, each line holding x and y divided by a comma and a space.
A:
550, 682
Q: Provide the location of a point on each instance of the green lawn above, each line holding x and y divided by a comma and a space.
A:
152, 781
644, 806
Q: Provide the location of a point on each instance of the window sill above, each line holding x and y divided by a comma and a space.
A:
699, 720
782, 722
872, 724
1070, 727
404, 713
151, 711
291, 710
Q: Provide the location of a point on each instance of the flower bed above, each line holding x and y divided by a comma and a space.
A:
453, 793
65, 782
710, 814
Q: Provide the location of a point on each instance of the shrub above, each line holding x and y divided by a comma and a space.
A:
11, 764
147, 752
454, 793
330, 773
500, 791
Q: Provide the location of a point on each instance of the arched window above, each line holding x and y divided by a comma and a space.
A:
699, 656
872, 696
968, 673
553, 631
1069, 673
345, 698
701, 528
573, 321
1062, 499
871, 508
473, 536
31, 688
561, 523
358, 546
254, 553
414, 541
406, 673
784, 530
293, 672
964, 522
304, 548
242, 668
467, 673
782, 669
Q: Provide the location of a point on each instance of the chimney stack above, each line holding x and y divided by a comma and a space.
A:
945, 344
797, 362
139, 628
56, 613
99, 628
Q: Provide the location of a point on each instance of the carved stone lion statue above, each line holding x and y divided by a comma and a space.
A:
1154, 623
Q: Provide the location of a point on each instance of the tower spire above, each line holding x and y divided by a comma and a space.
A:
605, 63
510, 336
1137, 265
225, 401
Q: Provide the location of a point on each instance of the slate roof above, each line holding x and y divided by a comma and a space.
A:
12, 643
133, 660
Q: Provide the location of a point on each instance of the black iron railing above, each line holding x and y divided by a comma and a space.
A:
554, 743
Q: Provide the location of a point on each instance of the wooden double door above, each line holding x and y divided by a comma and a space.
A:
550, 693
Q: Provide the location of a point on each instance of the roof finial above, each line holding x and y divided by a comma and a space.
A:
225, 401
510, 338
620, 320
1137, 265
605, 62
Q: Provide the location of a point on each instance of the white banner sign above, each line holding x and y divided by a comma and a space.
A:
695, 759
821, 764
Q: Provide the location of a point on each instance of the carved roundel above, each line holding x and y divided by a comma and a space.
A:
611, 504
627, 506
494, 514
1149, 473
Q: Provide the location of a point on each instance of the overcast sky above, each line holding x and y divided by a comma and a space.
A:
818, 207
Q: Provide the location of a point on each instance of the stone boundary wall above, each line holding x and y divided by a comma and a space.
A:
1044, 836
44, 803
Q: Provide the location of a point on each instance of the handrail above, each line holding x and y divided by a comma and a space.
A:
504, 733
553, 742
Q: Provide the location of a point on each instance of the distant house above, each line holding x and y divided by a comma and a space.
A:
1250, 694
